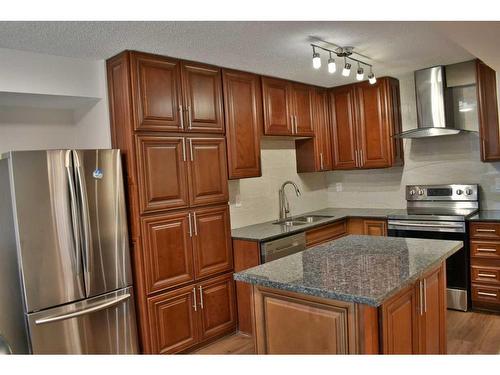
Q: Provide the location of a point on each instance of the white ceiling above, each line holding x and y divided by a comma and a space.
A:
274, 48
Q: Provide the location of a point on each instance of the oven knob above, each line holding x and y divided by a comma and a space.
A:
468, 191
459, 192
412, 192
420, 192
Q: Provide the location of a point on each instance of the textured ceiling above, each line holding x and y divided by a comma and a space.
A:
275, 48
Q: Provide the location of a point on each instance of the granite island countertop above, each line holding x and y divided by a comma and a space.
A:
360, 269
268, 231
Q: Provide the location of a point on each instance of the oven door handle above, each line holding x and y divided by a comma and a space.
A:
425, 225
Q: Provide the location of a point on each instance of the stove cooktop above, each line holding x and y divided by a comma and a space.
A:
435, 213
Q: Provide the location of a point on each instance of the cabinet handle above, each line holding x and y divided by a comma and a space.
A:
191, 154
195, 225
487, 294
295, 122
184, 149
194, 300
356, 158
421, 298
490, 275
293, 127
190, 225
321, 160
181, 116
201, 296
190, 123
486, 250
485, 230
425, 295
360, 158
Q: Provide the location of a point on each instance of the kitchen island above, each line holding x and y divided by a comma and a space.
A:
354, 295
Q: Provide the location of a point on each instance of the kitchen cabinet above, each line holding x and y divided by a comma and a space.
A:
174, 95
485, 265
184, 246
414, 321
244, 121
315, 154
364, 119
191, 315
287, 108
325, 233
369, 227
489, 127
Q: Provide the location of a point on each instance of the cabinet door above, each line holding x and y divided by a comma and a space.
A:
373, 125
433, 313
243, 115
400, 323
212, 241
343, 128
207, 171
277, 106
488, 112
217, 306
202, 88
173, 320
163, 173
322, 130
375, 227
302, 109
156, 92
168, 251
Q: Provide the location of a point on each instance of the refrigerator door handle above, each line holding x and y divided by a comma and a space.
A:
85, 224
85, 311
75, 222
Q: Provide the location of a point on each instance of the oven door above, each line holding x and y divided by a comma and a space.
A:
457, 266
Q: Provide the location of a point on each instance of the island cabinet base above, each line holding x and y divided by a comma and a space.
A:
413, 321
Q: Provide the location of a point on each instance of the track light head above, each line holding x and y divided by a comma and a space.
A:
346, 72
371, 78
360, 74
332, 67
316, 59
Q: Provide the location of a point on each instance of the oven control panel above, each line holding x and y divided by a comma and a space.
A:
455, 192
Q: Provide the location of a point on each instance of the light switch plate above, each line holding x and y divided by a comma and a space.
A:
338, 186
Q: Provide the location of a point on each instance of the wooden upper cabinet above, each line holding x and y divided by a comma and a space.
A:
207, 171
156, 92
343, 127
212, 241
202, 90
277, 107
488, 112
364, 119
217, 306
163, 173
302, 100
243, 118
168, 251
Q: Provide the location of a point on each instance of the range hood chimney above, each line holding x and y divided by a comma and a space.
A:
446, 101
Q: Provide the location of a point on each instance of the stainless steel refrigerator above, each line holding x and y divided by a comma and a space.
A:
65, 276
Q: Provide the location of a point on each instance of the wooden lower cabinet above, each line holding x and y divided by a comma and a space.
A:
325, 233
370, 227
411, 322
188, 316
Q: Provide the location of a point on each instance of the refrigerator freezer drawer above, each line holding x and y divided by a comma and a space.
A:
101, 325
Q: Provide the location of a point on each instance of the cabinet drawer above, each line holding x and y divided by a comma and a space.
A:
484, 293
325, 233
485, 230
488, 275
484, 249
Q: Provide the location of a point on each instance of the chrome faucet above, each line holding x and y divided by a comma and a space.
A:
283, 201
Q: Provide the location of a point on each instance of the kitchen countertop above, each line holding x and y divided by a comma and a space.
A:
486, 215
269, 231
361, 269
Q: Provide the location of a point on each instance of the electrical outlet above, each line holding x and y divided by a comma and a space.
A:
338, 186
237, 200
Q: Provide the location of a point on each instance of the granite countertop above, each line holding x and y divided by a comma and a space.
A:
486, 215
269, 231
361, 269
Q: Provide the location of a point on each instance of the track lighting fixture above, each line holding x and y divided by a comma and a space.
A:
332, 67
316, 59
346, 53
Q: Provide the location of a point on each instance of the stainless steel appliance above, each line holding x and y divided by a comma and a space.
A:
66, 238
282, 247
446, 98
440, 212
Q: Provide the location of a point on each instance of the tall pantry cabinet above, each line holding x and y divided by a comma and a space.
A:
167, 118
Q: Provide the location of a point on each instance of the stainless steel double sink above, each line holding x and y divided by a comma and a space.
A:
302, 220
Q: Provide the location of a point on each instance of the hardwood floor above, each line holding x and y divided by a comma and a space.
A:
468, 333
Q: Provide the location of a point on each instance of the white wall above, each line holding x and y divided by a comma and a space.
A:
34, 123
448, 159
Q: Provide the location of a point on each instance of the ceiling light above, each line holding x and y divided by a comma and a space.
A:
371, 78
316, 59
360, 73
347, 69
332, 67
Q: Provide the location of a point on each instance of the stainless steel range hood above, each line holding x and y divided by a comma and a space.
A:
446, 101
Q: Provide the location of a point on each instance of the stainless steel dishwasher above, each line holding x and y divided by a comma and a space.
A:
282, 247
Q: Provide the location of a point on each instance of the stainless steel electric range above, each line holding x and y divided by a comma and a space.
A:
440, 212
